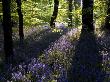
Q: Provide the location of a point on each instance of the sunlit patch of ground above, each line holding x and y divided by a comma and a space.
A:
35, 43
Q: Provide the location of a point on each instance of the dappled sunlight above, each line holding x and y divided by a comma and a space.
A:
56, 59
54, 41
30, 50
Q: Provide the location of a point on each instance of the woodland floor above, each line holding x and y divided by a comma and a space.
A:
90, 60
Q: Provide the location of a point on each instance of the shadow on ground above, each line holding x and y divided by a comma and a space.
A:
87, 61
35, 44
104, 41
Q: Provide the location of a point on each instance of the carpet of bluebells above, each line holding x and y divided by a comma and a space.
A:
51, 66
54, 60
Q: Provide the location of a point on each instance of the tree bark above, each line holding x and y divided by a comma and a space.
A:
107, 21
21, 34
55, 13
70, 13
87, 15
8, 43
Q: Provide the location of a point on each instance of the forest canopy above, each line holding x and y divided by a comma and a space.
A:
38, 12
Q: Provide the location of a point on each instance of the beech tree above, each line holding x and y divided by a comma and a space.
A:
70, 13
87, 15
55, 13
107, 21
21, 34
8, 43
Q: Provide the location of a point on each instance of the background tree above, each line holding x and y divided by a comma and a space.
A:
70, 13
55, 13
21, 34
107, 21
8, 44
87, 15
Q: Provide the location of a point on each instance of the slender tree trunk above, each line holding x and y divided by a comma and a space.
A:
55, 13
21, 34
87, 15
8, 43
70, 13
107, 21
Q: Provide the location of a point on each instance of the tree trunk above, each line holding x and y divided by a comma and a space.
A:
8, 43
70, 13
21, 34
87, 15
55, 13
107, 21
